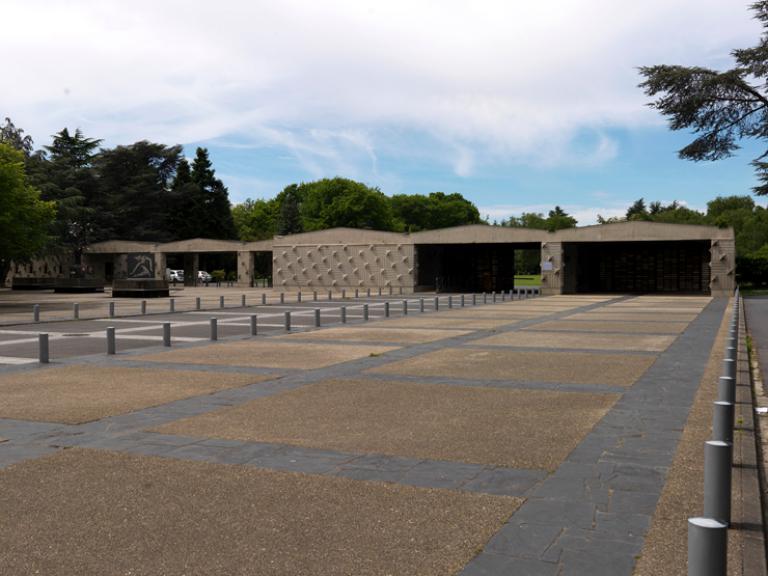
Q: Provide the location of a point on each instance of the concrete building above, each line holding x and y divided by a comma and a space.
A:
630, 257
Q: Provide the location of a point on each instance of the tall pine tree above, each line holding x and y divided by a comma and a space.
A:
216, 214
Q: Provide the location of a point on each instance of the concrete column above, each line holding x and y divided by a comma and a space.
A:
245, 261
161, 263
552, 272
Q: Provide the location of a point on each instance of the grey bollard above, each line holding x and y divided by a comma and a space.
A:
166, 334
718, 457
474, 299
214, 329
726, 389
343, 293
493, 296
503, 296
365, 312
143, 307
111, 309
42, 350
386, 309
707, 547
221, 301
450, 301
317, 317
729, 368
314, 296
330, 295
461, 301
343, 314
390, 290
298, 296
197, 303
287, 322
379, 290
36, 313
401, 291
263, 299
110, 340
282, 298
75, 310
722, 421
242, 300
730, 351
421, 304
437, 303
254, 325
172, 305
368, 292
357, 293
405, 307
485, 298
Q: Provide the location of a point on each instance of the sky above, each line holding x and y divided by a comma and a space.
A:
517, 105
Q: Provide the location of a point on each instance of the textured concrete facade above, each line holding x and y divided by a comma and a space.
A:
351, 258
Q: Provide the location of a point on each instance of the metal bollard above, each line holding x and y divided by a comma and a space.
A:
405, 307
729, 368
287, 321
707, 547
36, 313
503, 296
330, 295
722, 421
357, 293
242, 300
386, 309
421, 304
343, 314
437, 303
726, 389
343, 293
485, 298
75, 310
368, 293
461, 301
110, 340
493, 296
111, 309
254, 325
143, 307
263, 299
390, 290
401, 291
365, 312
197, 303
474, 299
450, 301
379, 290
172, 305
221, 301
317, 317
314, 296
298, 296
282, 298
214, 329
718, 457
42, 350
166, 334
730, 351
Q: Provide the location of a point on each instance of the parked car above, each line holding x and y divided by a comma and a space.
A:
203, 276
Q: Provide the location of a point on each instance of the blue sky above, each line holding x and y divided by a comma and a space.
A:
517, 105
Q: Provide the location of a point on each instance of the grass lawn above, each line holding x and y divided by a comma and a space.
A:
532, 280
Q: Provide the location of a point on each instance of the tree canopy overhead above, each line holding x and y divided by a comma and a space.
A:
721, 108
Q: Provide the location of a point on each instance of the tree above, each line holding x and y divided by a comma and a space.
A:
559, 219
289, 219
721, 108
416, 212
333, 202
255, 219
15, 138
216, 217
188, 216
24, 218
638, 211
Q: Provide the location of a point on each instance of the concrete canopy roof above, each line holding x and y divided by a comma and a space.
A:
480, 234
343, 236
640, 231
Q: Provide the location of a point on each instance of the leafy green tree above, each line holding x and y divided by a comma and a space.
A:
25, 219
15, 138
188, 217
334, 202
638, 211
414, 212
135, 190
559, 219
255, 219
289, 220
721, 108
216, 219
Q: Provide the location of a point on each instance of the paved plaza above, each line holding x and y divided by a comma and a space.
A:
545, 436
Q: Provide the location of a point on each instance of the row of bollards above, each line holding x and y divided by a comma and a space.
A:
708, 534
723, 408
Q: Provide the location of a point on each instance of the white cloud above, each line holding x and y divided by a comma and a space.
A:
585, 214
333, 83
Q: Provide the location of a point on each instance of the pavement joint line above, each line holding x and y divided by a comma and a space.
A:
556, 349
617, 459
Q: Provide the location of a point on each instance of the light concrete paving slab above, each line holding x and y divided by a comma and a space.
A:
375, 333
512, 428
634, 316
489, 364
541, 339
447, 321
91, 512
79, 393
267, 354
611, 326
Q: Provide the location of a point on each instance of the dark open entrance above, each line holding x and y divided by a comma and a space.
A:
467, 267
645, 267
